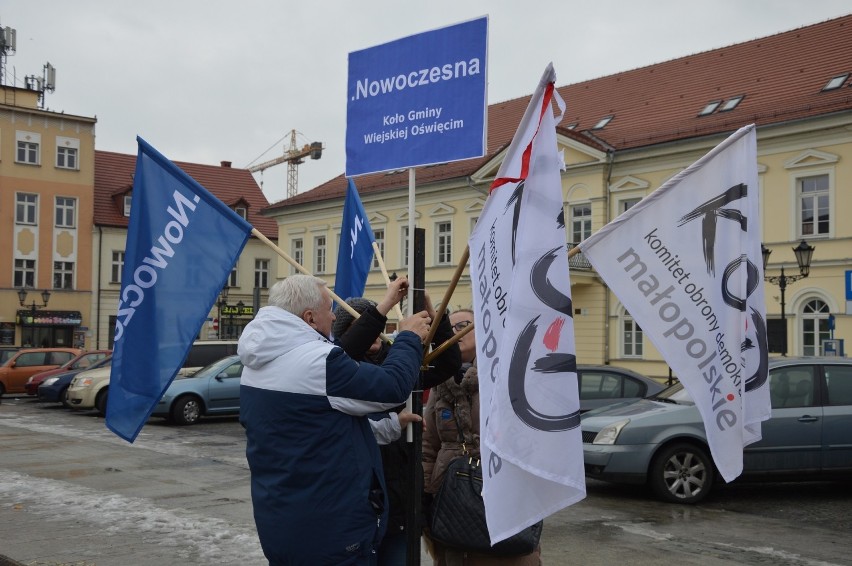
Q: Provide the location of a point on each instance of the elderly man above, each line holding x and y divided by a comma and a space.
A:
317, 486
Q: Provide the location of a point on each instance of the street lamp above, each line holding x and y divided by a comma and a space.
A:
804, 253
222, 302
22, 299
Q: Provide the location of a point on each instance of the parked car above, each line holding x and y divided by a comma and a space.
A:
81, 362
7, 352
29, 361
213, 390
89, 390
661, 440
54, 389
604, 385
205, 352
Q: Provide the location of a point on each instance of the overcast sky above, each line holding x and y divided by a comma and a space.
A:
212, 80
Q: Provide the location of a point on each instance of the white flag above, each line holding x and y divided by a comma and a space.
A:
532, 454
686, 263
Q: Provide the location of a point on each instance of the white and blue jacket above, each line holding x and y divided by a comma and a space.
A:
316, 473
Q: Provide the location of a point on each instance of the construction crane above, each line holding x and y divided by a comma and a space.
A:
294, 156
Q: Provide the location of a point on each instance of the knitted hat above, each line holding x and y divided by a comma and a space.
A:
343, 319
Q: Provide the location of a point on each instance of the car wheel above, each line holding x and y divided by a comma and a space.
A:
63, 398
186, 410
101, 401
682, 473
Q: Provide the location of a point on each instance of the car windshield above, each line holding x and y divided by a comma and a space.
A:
216, 367
674, 394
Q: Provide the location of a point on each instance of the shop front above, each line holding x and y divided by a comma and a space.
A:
50, 329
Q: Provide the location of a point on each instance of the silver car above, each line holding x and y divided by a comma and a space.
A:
661, 442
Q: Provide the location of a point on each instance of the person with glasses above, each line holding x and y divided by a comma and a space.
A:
452, 414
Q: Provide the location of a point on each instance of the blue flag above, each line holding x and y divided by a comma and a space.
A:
181, 245
356, 247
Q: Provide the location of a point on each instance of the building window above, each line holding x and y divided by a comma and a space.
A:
66, 212
731, 103
710, 108
297, 250
24, 273
116, 267
814, 327
814, 206
404, 243
631, 337
127, 200
581, 222
379, 236
27, 152
443, 243
66, 157
602, 122
242, 212
319, 254
232, 278
627, 204
836, 82
261, 273
26, 208
63, 274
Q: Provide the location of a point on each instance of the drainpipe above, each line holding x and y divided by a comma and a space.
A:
97, 320
610, 158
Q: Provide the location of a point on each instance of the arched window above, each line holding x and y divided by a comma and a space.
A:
814, 326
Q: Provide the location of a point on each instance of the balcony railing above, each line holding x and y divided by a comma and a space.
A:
579, 261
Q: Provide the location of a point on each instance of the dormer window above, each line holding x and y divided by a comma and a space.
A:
710, 108
603, 122
242, 212
836, 82
127, 199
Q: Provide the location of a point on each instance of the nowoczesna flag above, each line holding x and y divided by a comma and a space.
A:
182, 243
686, 263
355, 256
531, 449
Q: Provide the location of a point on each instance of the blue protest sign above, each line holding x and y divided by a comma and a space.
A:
418, 100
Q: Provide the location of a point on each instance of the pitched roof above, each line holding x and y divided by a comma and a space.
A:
780, 77
114, 178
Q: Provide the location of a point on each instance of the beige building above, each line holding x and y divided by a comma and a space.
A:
47, 170
255, 269
623, 136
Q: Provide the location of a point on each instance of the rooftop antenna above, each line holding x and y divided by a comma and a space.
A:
8, 46
45, 83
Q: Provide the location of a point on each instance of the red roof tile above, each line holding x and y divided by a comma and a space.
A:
780, 76
114, 177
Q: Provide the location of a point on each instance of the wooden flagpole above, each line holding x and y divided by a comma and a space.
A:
255, 232
447, 295
381, 261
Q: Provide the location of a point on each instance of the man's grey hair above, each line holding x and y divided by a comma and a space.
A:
297, 293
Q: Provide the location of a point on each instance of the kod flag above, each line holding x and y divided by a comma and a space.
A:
355, 256
182, 243
532, 452
686, 263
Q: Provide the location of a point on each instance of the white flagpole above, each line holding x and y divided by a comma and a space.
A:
384, 269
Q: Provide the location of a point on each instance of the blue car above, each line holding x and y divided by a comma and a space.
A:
212, 390
54, 389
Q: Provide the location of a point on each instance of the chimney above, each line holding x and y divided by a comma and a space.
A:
225, 164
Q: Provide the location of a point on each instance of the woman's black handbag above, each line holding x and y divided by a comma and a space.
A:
458, 515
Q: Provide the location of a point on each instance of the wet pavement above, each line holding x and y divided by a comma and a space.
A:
72, 493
